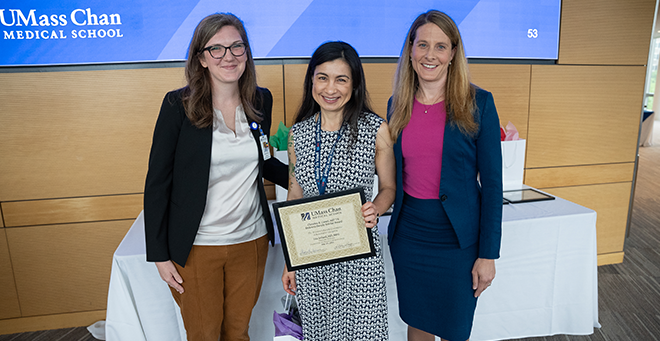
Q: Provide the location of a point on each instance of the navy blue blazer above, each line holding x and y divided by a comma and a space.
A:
177, 181
474, 207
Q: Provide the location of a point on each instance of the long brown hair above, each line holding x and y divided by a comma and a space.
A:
459, 92
197, 99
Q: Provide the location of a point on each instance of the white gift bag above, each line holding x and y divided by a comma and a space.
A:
280, 193
513, 164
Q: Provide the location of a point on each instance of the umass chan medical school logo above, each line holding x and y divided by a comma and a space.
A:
320, 213
30, 24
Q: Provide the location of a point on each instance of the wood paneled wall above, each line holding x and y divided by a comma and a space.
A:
510, 87
592, 102
78, 134
8, 296
590, 27
74, 147
593, 110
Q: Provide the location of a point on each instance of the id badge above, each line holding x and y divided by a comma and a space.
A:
265, 146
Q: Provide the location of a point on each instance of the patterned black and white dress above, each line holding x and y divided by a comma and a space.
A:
347, 300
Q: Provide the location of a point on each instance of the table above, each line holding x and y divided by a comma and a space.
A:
546, 282
547, 277
140, 305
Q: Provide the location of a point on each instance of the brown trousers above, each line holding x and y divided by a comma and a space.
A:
221, 286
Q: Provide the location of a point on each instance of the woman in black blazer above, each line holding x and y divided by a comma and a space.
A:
207, 221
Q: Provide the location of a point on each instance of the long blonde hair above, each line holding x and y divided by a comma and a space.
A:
459, 92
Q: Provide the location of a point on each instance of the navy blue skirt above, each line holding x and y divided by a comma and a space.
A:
433, 274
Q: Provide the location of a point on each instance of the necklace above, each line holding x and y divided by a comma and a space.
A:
429, 106
426, 107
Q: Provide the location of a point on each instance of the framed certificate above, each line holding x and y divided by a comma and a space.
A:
323, 230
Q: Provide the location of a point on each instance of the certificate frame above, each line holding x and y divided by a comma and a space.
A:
323, 230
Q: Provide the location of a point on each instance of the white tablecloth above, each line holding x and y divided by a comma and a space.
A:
546, 282
547, 277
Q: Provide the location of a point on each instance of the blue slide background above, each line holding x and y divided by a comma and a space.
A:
161, 30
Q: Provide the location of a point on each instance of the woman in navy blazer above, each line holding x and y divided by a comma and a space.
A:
207, 221
445, 228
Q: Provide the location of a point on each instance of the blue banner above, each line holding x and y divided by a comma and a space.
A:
93, 31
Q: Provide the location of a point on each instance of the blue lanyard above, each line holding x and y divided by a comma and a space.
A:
322, 179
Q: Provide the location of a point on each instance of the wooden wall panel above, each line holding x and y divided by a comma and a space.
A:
72, 134
56, 321
272, 77
8, 295
379, 79
64, 268
605, 32
610, 258
510, 87
73, 210
294, 76
610, 201
582, 115
579, 175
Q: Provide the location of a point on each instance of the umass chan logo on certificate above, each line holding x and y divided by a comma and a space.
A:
318, 213
324, 229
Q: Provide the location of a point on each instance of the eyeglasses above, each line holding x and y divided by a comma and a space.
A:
219, 51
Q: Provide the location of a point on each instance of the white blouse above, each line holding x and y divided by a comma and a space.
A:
233, 213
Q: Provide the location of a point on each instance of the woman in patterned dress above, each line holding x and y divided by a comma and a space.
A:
346, 300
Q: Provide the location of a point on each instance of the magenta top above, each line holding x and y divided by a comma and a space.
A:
422, 141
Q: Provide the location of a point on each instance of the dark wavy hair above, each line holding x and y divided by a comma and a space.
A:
359, 102
197, 99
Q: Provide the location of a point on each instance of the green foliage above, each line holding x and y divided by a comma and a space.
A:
279, 140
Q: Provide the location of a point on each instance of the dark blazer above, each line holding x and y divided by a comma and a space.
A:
177, 181
474, 209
